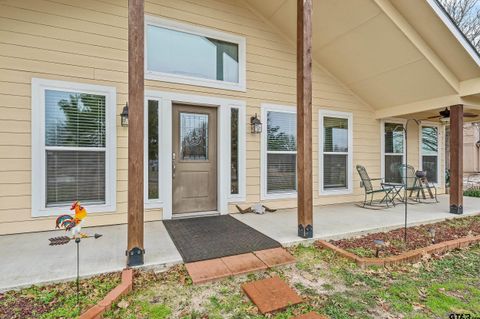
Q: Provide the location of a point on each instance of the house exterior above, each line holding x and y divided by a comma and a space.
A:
210, 67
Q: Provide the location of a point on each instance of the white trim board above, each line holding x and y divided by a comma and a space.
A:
38, 144
204, 32
166, 100
349, 117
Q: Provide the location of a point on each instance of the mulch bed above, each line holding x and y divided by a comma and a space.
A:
417, 237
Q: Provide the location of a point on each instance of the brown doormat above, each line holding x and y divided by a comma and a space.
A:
271, 294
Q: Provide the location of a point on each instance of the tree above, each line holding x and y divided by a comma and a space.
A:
466, 15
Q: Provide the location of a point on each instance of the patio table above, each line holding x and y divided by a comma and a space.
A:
396, 189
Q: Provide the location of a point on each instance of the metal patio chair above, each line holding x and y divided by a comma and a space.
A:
416, 182
370, 191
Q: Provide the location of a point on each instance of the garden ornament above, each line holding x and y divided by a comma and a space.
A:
379, 245
431, 231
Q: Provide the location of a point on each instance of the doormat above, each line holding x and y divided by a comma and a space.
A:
212, 237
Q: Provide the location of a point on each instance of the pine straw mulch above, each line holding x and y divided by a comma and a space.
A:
417, 237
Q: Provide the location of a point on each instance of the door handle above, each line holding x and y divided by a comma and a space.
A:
174, 167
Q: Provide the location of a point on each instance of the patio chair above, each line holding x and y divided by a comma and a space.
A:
370, 191
415, 182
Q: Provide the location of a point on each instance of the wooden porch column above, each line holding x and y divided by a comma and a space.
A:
456, 159
135, 249
304, 119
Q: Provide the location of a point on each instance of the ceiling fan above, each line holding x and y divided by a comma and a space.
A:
444, 115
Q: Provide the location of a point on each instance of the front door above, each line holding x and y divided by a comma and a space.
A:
194, 158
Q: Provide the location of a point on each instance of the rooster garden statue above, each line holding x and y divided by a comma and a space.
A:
73, 224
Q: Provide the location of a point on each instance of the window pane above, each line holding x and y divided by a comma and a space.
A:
430, 165
335, 134
74, 119
234, 151
153, 164
193, 136
75, 175
392, 168
335, 171
281, 173
186, 54
393, 138
429, 140
281, 131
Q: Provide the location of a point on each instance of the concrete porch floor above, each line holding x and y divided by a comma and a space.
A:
28, 259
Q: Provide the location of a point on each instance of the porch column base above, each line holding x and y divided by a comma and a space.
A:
305, 231
135, 257
456, 209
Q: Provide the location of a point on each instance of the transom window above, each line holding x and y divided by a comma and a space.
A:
393, 147
429, 152
336, 148
280, 144
74, 136
187, 54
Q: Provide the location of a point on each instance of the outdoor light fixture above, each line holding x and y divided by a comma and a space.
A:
255, 125
477, 144
445, 119
124, 116
379, 245
431, 231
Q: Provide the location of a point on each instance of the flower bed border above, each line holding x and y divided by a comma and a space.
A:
97, 311
409, 256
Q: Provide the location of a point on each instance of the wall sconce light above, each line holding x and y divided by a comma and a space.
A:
124, 116
477, 144
255, 125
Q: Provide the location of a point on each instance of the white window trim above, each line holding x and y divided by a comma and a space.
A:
201, 31
349, 117
382, 141
265, 108
439, 151
38, 145
166, 100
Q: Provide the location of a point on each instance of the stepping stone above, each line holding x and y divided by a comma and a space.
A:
242, 264
207, 270
275, 257
310, 315
271, 294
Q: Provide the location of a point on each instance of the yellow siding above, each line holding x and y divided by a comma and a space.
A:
86, 41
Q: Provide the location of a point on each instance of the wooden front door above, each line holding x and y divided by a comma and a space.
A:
194, 158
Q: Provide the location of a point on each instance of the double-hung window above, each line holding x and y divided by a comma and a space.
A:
73, 146
188, 54
429, 152
336, 152
279, 145
393, 151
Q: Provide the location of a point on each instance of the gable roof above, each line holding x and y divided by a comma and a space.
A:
391, 53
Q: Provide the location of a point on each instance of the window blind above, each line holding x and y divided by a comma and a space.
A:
75, 147
281, 152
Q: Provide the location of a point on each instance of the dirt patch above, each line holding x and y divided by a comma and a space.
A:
417, 237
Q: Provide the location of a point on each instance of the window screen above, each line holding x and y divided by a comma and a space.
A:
335, 153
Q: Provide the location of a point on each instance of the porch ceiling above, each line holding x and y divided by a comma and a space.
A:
388, 52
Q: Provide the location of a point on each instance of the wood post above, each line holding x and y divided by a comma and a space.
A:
304, 119
456, 159
135, 249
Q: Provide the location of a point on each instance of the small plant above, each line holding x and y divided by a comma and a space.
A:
472, 192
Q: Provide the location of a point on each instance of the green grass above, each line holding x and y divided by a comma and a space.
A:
473, 192
329, 285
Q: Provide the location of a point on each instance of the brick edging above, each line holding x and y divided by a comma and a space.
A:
96, 312
409, 256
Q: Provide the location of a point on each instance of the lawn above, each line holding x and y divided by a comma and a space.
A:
330, 285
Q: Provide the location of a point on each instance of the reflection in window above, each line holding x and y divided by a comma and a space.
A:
193, 136
74, 121
153, 163
185, 54
281, 152
430, 152
335, 153
234, 151
393, 147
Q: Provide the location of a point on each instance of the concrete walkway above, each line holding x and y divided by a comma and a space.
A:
28, 259
347, 220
